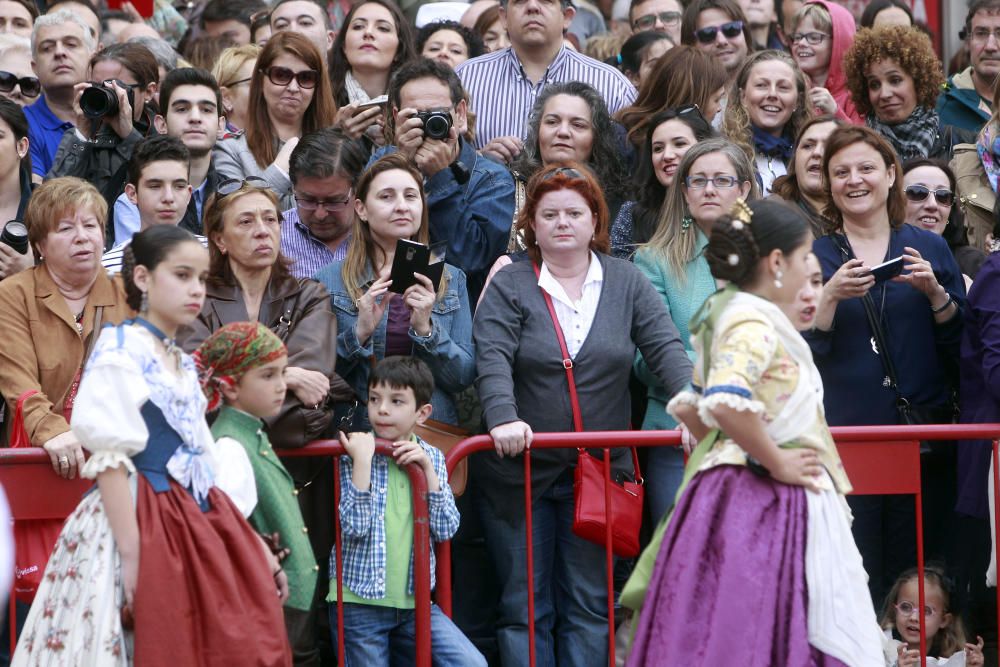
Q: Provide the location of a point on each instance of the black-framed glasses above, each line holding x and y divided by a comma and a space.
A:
239, 81
329, 205
813, 38
907, 608
918, 193
30, 86
282, 76
721, 181
231, 185
568, 172
647, 21
729, 30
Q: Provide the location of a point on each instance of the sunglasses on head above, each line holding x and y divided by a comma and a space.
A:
282, 76
30, 86
918, 193
729, 30
688, 110
231, 185
568, 172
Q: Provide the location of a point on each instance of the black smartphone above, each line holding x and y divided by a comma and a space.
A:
412, 257
887, 270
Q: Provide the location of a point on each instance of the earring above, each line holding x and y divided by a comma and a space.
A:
686, 223
144, 305
777, 279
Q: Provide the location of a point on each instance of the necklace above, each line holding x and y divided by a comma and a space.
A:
169, 344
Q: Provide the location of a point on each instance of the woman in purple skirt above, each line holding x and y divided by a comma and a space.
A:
757, 564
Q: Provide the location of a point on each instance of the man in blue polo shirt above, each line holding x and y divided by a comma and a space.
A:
61, 47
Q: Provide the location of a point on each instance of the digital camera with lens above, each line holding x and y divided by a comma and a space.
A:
437, 124
101, 100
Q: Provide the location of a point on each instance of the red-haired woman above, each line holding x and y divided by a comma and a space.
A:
290, 96
606, 309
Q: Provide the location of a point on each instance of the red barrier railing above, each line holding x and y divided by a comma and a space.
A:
34, 491
880, 460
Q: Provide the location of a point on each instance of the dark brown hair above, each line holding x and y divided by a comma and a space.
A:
844, 137
321, 112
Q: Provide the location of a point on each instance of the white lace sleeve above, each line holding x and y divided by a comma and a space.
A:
106, 416
686, 397
234, 474
732, 400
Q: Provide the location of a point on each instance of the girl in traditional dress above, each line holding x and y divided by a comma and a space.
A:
156, 566
757, 559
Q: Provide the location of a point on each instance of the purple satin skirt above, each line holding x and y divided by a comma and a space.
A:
729, 585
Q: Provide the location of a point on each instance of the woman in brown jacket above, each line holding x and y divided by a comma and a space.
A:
50, 312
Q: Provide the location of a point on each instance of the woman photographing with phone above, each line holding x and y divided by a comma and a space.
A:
372, 321
905, 328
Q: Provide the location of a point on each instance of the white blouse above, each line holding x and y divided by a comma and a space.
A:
575, 317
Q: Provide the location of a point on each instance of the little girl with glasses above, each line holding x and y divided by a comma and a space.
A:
944, 630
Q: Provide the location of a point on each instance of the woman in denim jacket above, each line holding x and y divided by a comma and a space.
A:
372, 322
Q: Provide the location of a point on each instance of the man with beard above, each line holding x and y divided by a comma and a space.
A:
323, 169
190, 110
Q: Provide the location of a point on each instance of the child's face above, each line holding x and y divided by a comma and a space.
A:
803, 309
393, 412
908, 625
176, 287
261, 391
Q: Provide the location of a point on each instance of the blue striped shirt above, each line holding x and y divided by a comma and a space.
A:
501, 94
307, 253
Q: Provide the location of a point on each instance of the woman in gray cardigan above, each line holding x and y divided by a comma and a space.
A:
289, 97
606, 310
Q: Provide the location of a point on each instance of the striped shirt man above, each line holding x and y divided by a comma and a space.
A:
307, 253
502, 95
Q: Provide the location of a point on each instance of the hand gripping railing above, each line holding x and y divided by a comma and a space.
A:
880, 460
34, 491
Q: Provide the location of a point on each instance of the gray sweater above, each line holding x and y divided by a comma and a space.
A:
521, 377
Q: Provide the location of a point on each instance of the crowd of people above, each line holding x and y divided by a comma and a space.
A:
745, 220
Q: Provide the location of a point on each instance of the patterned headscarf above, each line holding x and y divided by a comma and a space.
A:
226, 356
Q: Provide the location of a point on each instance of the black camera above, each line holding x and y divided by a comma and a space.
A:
437, 124
101, 100
15, 235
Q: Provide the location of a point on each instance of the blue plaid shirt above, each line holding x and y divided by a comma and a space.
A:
362, 522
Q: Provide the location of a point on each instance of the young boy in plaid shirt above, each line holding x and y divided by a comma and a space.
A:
376, 517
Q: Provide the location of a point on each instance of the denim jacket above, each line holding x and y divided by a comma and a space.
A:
448, 350
362, 520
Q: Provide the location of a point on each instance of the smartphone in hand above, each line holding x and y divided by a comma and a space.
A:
887, 270
412, 257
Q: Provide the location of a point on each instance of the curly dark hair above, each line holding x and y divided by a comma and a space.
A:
473, 42
605, 157
910, 49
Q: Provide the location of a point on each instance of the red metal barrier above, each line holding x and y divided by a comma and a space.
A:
34, 491
880, 460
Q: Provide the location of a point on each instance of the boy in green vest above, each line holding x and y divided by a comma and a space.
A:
242, 368
376, 519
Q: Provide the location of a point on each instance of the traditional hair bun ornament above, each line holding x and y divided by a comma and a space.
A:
741, 214
733, 259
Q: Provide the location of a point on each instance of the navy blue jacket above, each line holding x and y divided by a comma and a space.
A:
925, 354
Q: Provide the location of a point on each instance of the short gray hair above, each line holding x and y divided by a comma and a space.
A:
59, 17
165, 55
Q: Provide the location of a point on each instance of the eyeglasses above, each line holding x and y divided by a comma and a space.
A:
30, 86
282, 76
236, 83
813, 38
231, 185
907, 609
699, 182
649, 20
918, 193
568, 172
328, 205
983, 35
729, 30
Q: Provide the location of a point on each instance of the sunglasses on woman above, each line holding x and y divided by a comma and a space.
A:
729, 31
30, 86
918, 193
282, 76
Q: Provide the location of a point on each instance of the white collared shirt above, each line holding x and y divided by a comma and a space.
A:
575, 317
